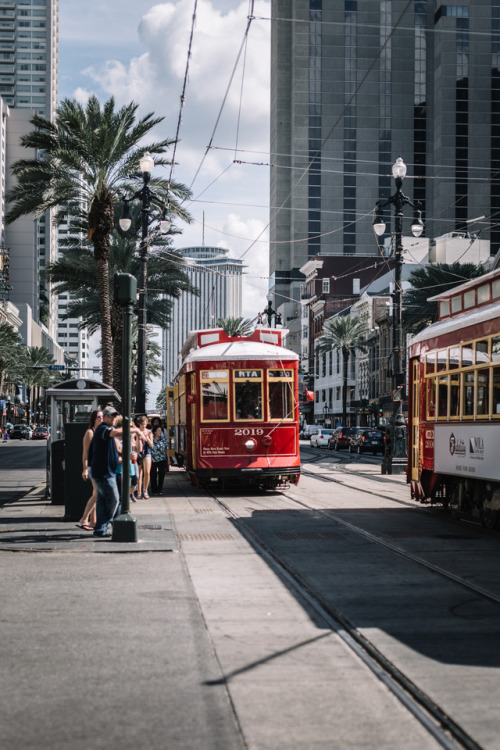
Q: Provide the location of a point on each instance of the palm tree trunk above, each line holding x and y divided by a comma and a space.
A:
117, 329
345, 371
105, 314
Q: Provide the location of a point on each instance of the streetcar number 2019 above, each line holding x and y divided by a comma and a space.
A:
245, 431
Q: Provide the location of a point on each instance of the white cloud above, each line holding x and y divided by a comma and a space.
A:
232, 198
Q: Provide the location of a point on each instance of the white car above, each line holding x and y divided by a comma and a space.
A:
320, 439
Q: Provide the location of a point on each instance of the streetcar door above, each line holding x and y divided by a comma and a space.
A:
192, 417
415, 417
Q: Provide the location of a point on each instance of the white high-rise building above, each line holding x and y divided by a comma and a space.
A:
219, 280
28, 84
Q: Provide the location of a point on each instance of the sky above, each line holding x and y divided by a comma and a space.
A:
135, 50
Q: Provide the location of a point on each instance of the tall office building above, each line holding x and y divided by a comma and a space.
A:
28, 84
219, 280
357, 83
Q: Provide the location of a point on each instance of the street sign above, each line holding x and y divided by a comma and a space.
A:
56, 367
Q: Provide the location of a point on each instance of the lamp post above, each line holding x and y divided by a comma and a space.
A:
146, 196
326, 411
396, 445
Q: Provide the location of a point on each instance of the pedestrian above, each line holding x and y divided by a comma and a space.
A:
159, 460
87, 521
145, 441
105, 459
133, 464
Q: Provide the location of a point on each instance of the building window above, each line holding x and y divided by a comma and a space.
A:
326, 286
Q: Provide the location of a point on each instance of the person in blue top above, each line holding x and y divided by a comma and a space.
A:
105, 460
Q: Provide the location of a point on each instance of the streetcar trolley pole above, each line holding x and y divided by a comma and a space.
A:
395, 445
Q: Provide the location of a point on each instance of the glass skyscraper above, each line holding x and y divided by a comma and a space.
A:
357, 83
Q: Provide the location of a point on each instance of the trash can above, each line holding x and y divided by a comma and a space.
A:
76, 490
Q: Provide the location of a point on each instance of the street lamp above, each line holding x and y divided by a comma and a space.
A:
326, 411
146, 196
270, 313
396, 446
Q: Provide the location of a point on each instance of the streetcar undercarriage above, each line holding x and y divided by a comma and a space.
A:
472, 498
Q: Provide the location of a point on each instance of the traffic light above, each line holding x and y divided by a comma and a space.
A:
380, 413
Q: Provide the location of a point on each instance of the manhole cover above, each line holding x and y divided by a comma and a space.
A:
206, 537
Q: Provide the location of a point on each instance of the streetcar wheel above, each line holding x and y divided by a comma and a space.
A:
490, 518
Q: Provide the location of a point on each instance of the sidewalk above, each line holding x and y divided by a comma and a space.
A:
32, 524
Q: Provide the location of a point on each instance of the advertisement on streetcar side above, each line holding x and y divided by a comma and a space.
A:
468, 450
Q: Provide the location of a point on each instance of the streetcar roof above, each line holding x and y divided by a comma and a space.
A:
240, 350
465, 320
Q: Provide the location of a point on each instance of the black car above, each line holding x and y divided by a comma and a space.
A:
367, 440
20, 432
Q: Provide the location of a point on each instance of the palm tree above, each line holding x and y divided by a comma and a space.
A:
33, 371
10, 350
85, 161
76, 273
235, 326
427, 282
343, 333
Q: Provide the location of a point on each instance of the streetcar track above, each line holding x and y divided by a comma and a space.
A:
424, 709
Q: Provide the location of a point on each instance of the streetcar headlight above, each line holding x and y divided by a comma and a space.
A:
250, 444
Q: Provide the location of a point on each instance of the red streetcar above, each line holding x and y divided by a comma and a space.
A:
454, 402
236, 409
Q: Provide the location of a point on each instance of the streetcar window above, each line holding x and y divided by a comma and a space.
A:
430, 363
481, 352
496, 288
456, 303
280, 394
443, 397
214, 397
442, 361
483, 393
483, 293
467, 355
247, 394
454, 397
454, 358
468, 394
496, 390
495, 349
281, 404
444, 308
469, 299
431, 398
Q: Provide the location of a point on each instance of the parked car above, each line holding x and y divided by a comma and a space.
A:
367, 440
341, 437
320, 438
21, 432
40, 433
308, 430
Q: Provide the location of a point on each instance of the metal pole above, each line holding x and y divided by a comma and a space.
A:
396, 442
140, 396
125, 525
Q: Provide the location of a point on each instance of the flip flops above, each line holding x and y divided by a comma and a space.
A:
85, 526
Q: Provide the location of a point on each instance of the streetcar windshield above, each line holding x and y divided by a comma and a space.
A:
248, 400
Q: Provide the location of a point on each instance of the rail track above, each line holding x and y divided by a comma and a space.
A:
443, 728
